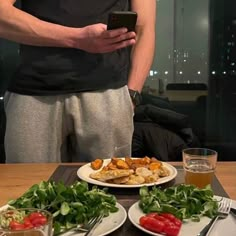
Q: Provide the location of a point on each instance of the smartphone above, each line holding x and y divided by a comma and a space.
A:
119, 19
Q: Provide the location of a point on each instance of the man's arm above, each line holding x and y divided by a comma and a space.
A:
143, 51
21, 27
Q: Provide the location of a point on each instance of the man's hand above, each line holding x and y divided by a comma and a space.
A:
97, 39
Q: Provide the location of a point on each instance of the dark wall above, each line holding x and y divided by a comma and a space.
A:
221, 115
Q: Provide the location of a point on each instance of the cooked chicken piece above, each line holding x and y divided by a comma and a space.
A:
164, 172
110, 174
121, 180
143, 171
134, 166
135, 179
151, 178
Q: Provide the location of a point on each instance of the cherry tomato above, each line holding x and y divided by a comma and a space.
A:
172, 230
34, 219
161, 218
27, 223
177, 222
142, 220
152, 214
161, 223
15, 225
41, 220
169, 216
154, 225
34, 215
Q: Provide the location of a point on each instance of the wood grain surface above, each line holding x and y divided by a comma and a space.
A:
15, 179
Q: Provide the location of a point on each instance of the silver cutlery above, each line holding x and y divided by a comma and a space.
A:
233, 211
85, 227
223, 212
93, 226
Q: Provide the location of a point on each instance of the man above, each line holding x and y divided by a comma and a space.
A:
69, 99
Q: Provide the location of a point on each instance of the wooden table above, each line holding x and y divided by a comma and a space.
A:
15, 179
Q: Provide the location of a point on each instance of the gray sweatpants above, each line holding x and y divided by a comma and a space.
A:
68, 128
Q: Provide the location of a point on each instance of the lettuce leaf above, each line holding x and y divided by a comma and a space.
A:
70, 205
184, 201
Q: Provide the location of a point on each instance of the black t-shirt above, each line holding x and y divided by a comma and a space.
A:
52, 70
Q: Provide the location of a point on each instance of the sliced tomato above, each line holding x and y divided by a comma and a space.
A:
177, 222
161, 218
169, 216
171, 230
154, 225
152, 214
165, 223
142, 220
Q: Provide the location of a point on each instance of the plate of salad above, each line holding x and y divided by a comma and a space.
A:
72, 205
192, 206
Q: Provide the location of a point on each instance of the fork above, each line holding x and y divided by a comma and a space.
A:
85, 227
94, 225
223, 212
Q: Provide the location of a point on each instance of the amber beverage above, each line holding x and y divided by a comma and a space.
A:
199, 166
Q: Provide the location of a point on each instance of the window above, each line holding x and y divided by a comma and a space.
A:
195, 67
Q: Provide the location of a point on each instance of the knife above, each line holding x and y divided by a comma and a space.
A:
204, 231
233, 211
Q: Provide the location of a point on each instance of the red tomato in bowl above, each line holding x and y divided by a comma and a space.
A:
15, 225
34, 219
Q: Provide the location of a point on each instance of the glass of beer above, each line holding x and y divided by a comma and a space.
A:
25, 222
199, 166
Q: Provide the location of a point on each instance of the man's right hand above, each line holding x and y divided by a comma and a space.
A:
21, 27
97, 39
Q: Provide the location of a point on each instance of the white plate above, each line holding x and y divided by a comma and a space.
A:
85, 170
107, 226
225, 227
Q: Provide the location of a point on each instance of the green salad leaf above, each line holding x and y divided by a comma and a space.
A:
183, 201
69, 205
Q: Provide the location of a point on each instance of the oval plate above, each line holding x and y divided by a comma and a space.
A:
108, 225
223, 227
85, 170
